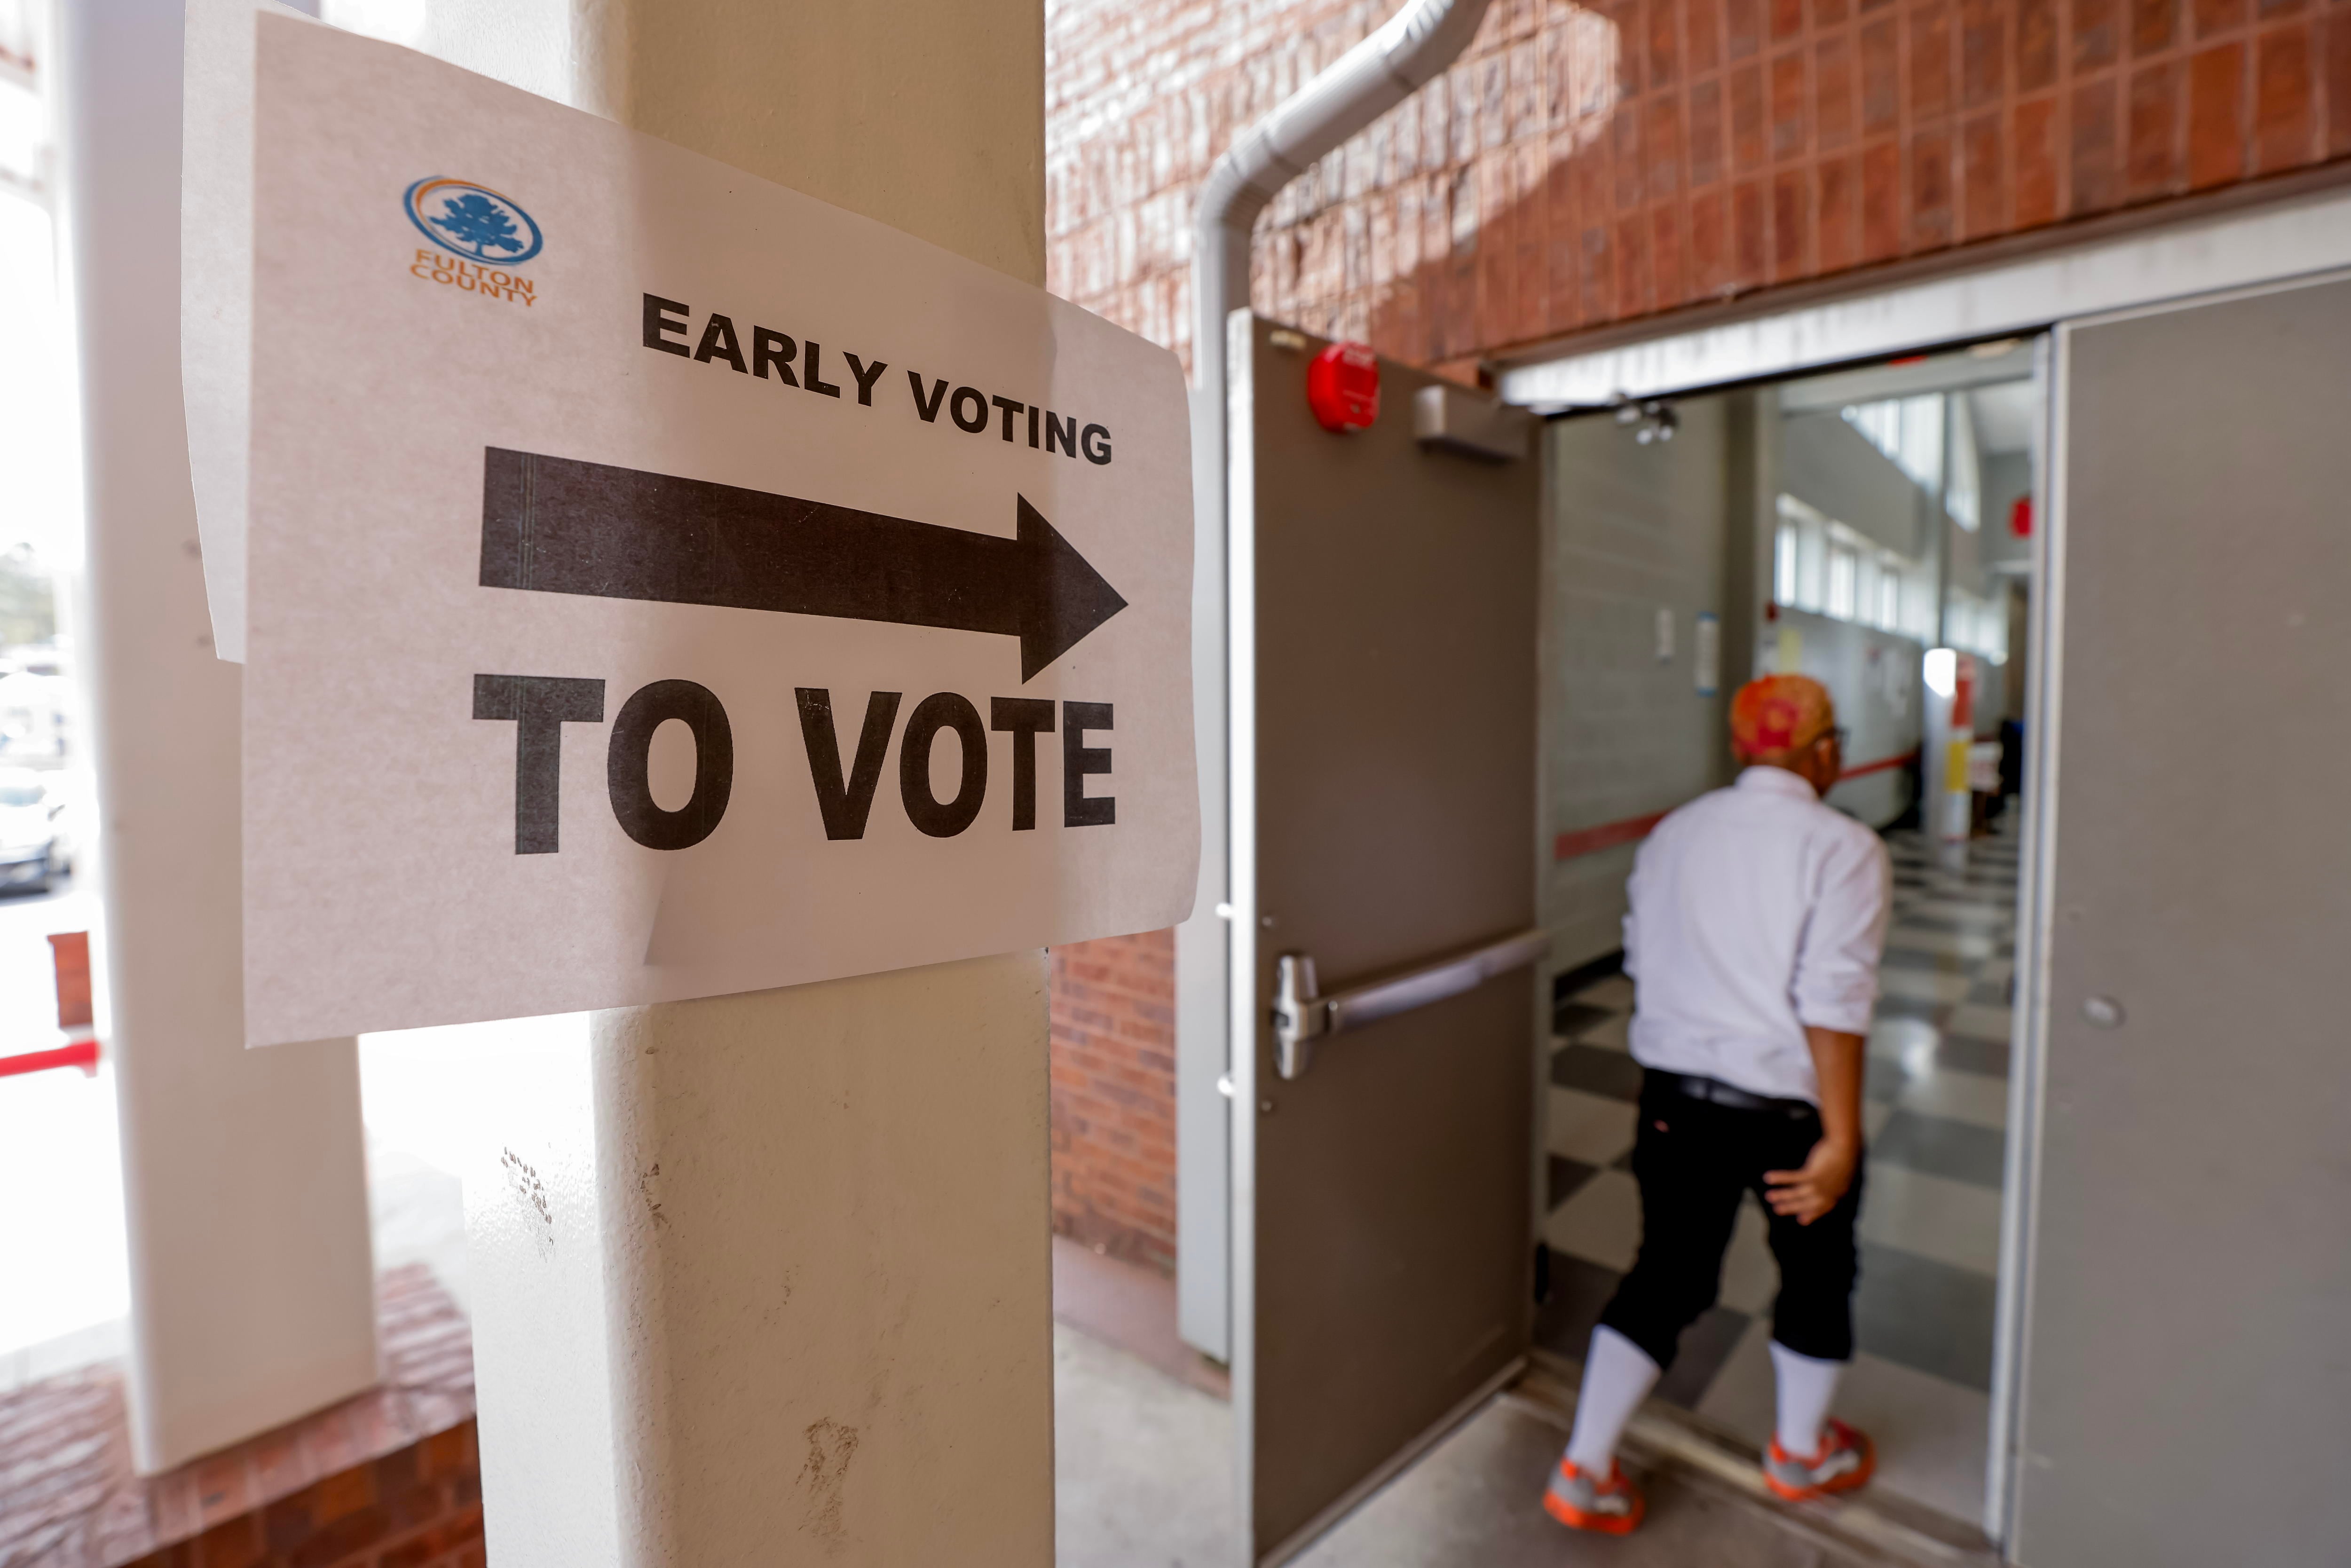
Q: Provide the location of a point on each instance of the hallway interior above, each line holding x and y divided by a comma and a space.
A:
1936, 1113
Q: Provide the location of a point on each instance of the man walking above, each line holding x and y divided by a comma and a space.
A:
1758, 916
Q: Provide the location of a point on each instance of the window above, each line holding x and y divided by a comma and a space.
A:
1909, 431
1843, 571
1799, 557
1823, 566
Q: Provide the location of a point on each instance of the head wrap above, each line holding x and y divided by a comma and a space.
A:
1780, 712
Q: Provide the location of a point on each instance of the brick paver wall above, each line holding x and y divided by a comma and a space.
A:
391, 1479
1587, 165
1140, 97
1113, 1010
1582, 166
418, 1507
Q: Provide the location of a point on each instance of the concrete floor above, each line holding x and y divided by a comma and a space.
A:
1143, 1465
1145, 1471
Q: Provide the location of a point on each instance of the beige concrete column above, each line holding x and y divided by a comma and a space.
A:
252, 1293
765, 1279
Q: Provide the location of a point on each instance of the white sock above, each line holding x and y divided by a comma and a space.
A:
1806, 1387
1617, 1375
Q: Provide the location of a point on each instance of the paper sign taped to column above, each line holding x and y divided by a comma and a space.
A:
662, 584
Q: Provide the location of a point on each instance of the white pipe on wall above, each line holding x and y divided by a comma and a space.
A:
1410, 48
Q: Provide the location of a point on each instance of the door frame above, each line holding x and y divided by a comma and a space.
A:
1974, 295
2301, 237
1241, 911
2296, 225
2028, 1031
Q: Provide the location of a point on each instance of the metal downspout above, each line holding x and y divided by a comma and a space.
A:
1385, 68
1420, 40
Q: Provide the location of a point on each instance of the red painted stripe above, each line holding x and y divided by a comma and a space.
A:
1592, 841
1880, 766
1633, 830
81, 1053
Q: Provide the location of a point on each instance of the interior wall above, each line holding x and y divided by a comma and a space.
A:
1991, 698
1635, 551
2007, 476
1831, 467
1872, 676
1827, 464
1686, 526
1751, 520
2019, 636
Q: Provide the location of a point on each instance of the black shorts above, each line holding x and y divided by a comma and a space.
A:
1693, 1158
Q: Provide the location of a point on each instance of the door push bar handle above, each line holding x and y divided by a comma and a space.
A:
1302, 1015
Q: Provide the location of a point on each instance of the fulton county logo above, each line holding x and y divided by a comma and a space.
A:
478, 239
473, 220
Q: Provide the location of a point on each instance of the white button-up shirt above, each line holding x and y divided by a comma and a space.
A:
1756, 911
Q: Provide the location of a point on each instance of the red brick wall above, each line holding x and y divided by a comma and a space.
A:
419, 1507
390, 1479
1140, 97
1582, 166
1587, 165
69, 956
1113, 1008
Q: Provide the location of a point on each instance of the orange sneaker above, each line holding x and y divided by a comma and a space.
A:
1575, 1499
1846, 1460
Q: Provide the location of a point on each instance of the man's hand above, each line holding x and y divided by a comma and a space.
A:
1805, 1194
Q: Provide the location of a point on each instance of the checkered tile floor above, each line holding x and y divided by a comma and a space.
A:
1936, 1113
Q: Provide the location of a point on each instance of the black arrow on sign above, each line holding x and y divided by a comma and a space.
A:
555, 525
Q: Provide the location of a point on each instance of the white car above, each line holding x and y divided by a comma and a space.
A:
34, 843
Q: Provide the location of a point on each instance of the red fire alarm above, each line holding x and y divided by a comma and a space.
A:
1343, 387
2020, 517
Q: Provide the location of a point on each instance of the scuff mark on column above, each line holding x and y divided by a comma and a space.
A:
832, 1446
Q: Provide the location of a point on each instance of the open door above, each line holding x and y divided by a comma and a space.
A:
1384, 591
2188, 1289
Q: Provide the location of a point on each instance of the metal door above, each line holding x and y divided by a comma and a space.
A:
2186, 1389
1384, 824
